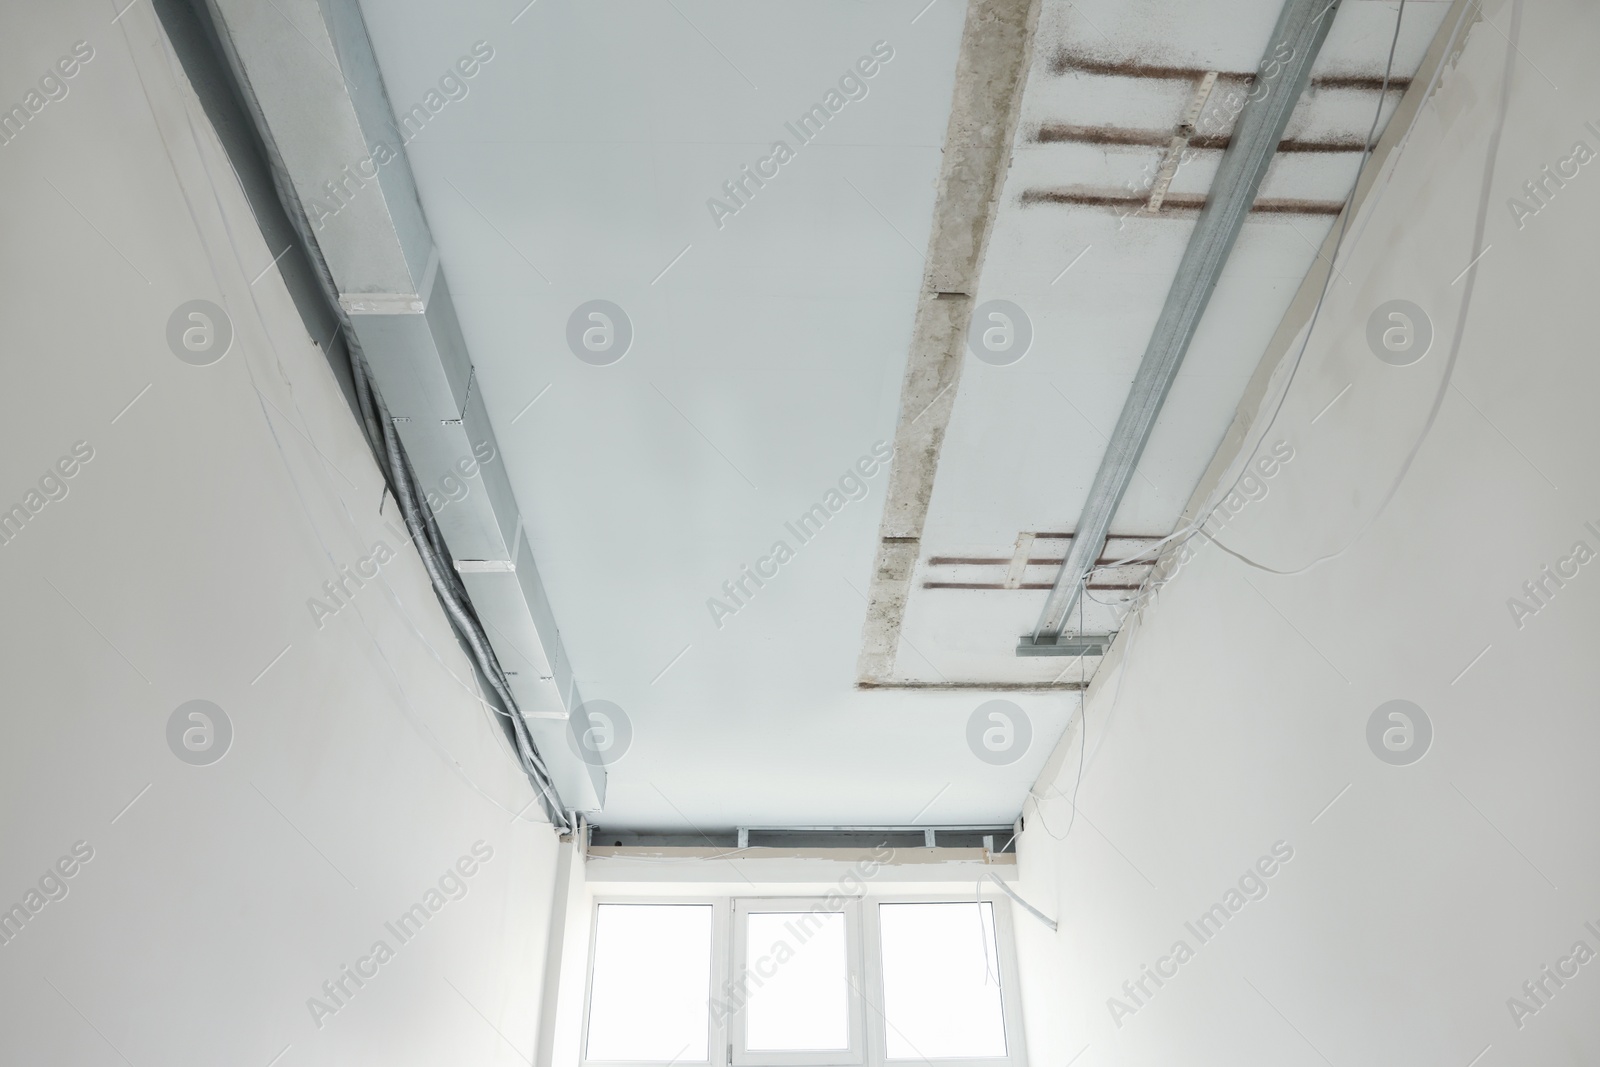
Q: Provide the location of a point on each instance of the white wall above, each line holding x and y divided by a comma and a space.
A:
1419, 902
177, 567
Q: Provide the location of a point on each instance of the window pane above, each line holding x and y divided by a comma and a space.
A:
941, 981
652, 980
799, 982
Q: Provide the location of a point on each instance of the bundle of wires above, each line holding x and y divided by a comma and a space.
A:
401, 479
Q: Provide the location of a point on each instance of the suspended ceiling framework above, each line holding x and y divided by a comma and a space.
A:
1121, 133
580, 162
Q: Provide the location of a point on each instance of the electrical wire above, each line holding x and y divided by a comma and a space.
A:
1196, 528
1367, 145
446, 582
1154, 551
1014, 895
1448, 376
1083, 717
1316, 312
398, 474
983, 935
1083, 741
265, 320
1151, 587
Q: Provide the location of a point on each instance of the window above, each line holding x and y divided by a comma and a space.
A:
803, 982
649, 983
941, 982
798, 969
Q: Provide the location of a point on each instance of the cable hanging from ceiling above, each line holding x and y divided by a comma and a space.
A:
1180, 537
398, 474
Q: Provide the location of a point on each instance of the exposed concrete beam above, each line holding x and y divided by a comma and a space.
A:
310, 78
1291, 51
996, 53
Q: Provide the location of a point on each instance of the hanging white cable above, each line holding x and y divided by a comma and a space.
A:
1014, 895
1183, 535
1196, 528
1478, 248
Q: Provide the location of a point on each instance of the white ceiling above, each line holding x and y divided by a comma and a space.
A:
767, 355
765, 363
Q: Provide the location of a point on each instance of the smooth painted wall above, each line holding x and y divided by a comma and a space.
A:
207, 904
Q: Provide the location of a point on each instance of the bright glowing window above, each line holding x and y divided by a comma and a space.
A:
804, 1003
831, 981
796, 983
941, 982
650, 983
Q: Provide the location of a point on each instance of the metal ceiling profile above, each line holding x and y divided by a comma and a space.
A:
1301, 29
309, 76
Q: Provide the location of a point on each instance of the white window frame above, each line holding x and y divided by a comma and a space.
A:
716, 1037
868, 1022
743, 907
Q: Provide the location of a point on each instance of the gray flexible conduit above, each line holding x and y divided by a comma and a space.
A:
392, 460
447, 584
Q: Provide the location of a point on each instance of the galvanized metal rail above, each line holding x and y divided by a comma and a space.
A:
1284, 72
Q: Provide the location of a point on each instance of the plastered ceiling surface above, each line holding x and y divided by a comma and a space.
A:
768, 324
764, 367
